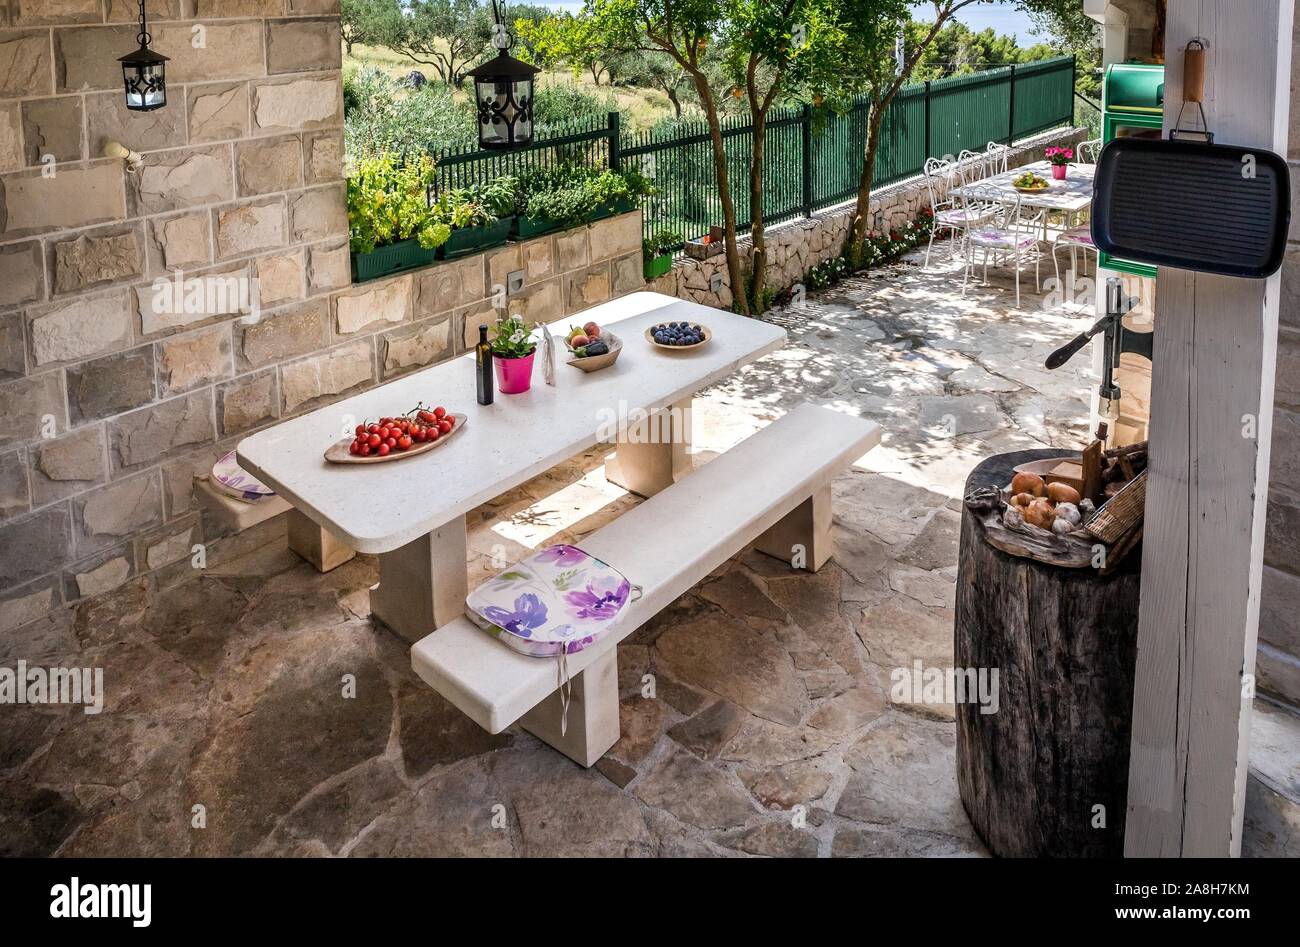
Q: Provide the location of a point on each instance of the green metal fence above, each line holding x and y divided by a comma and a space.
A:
813, 157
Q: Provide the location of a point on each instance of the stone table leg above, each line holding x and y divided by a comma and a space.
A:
803, 536
316, 544
422, 585
593, 713
651, 453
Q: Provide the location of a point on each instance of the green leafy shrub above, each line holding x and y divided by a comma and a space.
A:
387, 203
478, 204
561, 104
660, 242
570, 194
381, 116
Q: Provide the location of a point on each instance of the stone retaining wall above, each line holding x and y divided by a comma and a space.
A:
797, 246
113, 396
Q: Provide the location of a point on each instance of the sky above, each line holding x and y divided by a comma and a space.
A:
1005, 18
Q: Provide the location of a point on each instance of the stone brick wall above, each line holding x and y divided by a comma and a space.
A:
113, 396
797, 246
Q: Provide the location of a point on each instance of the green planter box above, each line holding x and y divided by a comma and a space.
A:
620, 206
521, 228
474, 239
658, 266
394, 258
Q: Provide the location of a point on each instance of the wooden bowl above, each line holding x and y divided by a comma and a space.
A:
708, 335
593, 363
338, 452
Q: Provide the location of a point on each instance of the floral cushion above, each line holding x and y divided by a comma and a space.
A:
1079, 235
1004, 238
557, 601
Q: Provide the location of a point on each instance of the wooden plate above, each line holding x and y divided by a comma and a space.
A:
708, 334
594, 363
338, 453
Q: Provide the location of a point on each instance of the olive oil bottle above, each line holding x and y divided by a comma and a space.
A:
483, 366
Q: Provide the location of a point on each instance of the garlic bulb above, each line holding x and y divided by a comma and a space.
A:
1070, 513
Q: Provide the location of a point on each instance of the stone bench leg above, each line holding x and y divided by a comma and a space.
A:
316, 544
423, 584
593, 714
651, 454
803, 536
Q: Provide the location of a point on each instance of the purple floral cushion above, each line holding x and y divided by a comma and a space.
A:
558, 600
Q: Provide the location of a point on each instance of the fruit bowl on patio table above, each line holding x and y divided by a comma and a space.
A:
678, 336
591, 363
1030, 183
345, 452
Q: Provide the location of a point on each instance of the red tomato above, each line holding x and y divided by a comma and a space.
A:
374, 440
391, 442
373, 429
404, 442
426, 416
365, 450
451, 420
361, 429
433, 434
439, 411
444, 425
384, 449
354, 447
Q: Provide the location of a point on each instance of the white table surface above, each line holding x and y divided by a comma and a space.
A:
380, 507
1072, 195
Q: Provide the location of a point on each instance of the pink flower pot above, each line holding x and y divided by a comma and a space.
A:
1058, 171
514, 375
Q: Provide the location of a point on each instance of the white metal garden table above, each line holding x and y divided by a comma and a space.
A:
1071, 196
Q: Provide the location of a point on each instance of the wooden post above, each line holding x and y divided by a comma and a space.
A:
1211, 424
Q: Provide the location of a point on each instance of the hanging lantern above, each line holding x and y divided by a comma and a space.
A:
503, 89
142, 73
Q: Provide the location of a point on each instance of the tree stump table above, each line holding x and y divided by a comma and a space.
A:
1047, 773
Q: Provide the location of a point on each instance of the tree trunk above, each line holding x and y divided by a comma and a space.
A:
862, 210
1046, 772
758, 262
672, 97
724, 190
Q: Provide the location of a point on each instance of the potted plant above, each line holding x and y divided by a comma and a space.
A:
390, 225
569, 195
1060, 159
657, 252
513, 349
479, 216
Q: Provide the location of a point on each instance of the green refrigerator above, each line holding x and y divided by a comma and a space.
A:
1132, 104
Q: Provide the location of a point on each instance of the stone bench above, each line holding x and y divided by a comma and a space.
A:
773, 489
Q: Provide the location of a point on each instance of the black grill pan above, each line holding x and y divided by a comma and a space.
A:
1188, 205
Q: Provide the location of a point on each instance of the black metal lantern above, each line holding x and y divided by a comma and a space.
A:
143, 73
503, 89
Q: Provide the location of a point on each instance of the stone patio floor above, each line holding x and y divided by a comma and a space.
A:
771, 730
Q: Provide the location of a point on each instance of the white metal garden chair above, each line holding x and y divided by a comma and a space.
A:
974, 165
999, 157
1087, 151
1009, 232
1079, 241
951, 213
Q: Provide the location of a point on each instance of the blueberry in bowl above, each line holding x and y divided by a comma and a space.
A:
678, 335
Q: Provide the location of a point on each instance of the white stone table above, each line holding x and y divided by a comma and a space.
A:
412, 512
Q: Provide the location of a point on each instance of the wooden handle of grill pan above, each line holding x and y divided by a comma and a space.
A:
1194, 72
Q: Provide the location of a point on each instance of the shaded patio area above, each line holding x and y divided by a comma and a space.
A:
756, 718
